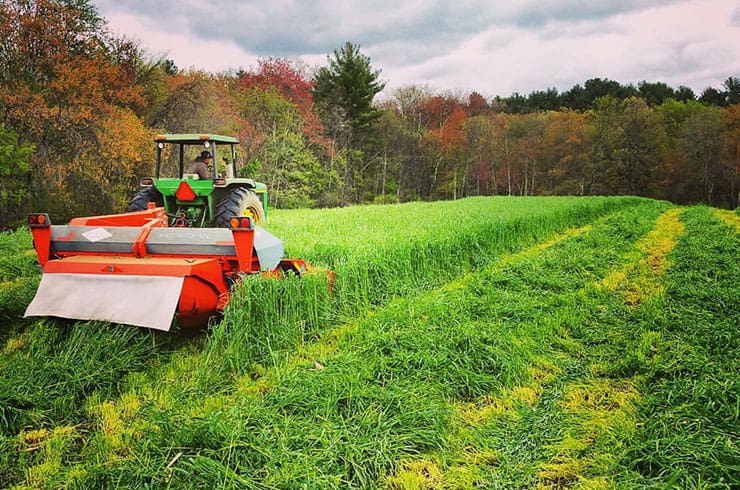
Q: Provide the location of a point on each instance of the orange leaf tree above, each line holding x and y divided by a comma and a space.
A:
62, 77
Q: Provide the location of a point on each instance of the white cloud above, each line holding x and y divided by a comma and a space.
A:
519, 45
177, 44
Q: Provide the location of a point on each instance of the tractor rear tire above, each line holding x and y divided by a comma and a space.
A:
143, 197
239, 201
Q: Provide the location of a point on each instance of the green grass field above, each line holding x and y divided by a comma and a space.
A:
483, 343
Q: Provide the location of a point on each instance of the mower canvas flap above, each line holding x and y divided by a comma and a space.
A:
269, 248
144, 301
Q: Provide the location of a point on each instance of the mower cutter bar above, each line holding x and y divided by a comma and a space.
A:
132, 268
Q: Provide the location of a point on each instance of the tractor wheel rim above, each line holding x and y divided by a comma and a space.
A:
250, 212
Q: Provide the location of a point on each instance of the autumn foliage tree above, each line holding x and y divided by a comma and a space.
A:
283, 135
676, 150
79, 109
62, 78
567, 153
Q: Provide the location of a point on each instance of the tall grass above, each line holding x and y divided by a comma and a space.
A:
17, 257
346, 410
442, 359
19, 276
382, 252
267, 318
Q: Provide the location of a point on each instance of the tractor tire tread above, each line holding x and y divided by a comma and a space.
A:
230, 206
142, 198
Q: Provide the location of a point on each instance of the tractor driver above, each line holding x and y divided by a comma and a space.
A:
200, 165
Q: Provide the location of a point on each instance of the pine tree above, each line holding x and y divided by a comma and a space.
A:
344, 94
350, 84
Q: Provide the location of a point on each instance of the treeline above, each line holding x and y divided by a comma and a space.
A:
582, 98
80, 108
443, 147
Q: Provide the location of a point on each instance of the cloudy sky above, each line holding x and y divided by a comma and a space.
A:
496, 48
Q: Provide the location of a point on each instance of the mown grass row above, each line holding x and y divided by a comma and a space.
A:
638, 390
354, 406
689, 420
567, 424
562, 420
46, 375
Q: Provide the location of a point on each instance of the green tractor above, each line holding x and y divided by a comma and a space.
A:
204, 200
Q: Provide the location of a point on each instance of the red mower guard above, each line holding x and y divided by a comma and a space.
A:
132, 268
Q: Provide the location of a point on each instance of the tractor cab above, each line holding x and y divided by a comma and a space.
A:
192, 200
176, 152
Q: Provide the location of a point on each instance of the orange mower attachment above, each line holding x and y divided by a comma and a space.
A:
133, 268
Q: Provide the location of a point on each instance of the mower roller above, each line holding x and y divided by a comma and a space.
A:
133, 268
